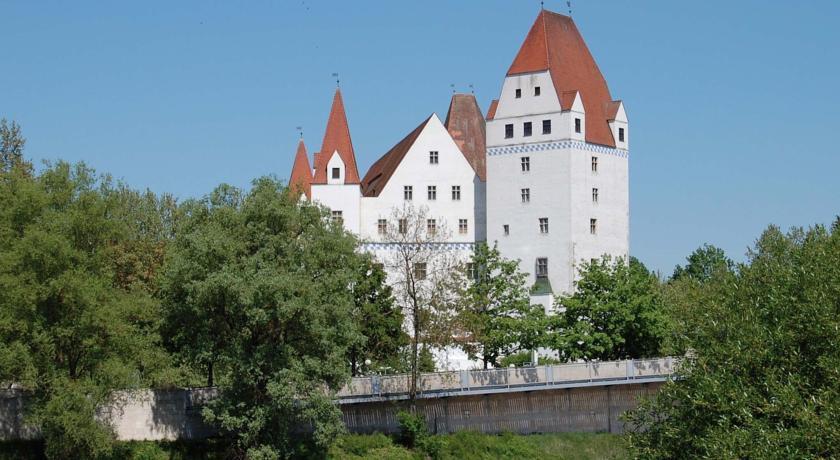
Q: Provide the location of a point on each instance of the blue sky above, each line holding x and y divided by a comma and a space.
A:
732, 105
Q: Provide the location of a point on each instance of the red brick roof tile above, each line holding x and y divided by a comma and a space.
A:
337, 139
491, 111
301, 179
555, 44
466, 126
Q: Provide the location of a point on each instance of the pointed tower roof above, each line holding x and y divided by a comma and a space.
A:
466, 126
555, 44
337, 139
301, 178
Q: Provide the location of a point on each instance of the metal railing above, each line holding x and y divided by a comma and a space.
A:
379, 387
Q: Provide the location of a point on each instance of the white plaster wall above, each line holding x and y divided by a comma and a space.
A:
335, 162
343, 197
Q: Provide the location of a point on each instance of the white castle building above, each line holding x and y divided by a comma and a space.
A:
544, 174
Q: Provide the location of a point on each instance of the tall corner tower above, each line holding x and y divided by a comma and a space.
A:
557, 160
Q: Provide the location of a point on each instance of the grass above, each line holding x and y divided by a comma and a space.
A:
463, 445
467, 445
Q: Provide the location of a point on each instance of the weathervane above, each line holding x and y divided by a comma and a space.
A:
569, 4
452, 85
300, 130
337, 81
472, 90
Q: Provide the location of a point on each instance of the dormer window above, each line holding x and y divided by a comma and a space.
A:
433, 157
336, 173
518, 93
508, 131
536, 91
620, 134
577, 125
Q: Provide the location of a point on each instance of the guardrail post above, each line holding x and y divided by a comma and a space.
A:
465, 380
631, 368
549, 375
376, 385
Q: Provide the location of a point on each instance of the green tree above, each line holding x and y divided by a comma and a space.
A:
615, 313
496, 313
12, 143
703, 263
269, 276
379, 321
70, 332
764, 379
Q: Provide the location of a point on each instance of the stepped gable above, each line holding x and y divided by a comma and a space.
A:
555, 44
301, 178
381, 171
336, 139
466, 126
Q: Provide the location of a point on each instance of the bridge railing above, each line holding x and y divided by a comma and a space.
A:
512, 377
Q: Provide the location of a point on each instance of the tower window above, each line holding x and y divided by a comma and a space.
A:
433, 157
518, 93
536, 91
506, 229
543, 224
403, 226
526, 129
336, 173
508, 131
462, 226
338, 217
525, 162
620, 134
456, 192
593, 226
431, 192
594, 164
546, 126
577, 125
594, 195
526, 195
408, 192
382, 226
420, 270
542, 267
431, 226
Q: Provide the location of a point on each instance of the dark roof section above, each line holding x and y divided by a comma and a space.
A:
466, 126
301, 179
337, 139
555, 44
381, 171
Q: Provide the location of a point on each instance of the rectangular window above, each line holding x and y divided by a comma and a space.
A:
620, 134
542, 267
536, 91
338, 217
594, 195
593, 226
526, 195
403, 226
594, 164
432, 192
382, 226
433, 157
462, 226
408, 192
526, 129
508, 131
518, 93
546, 126
577, 125
431, 226
543, 224
420, 270
506, 229
336, 173
525, 162
456, 192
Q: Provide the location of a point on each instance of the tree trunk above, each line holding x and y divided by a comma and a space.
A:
210, 374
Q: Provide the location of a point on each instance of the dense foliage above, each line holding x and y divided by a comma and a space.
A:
615, 312
764, 380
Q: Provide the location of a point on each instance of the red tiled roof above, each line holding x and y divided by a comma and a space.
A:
567, 99
336, 139
555, 44
611, 109
301, 178
491, 111
466, 126
381, 171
